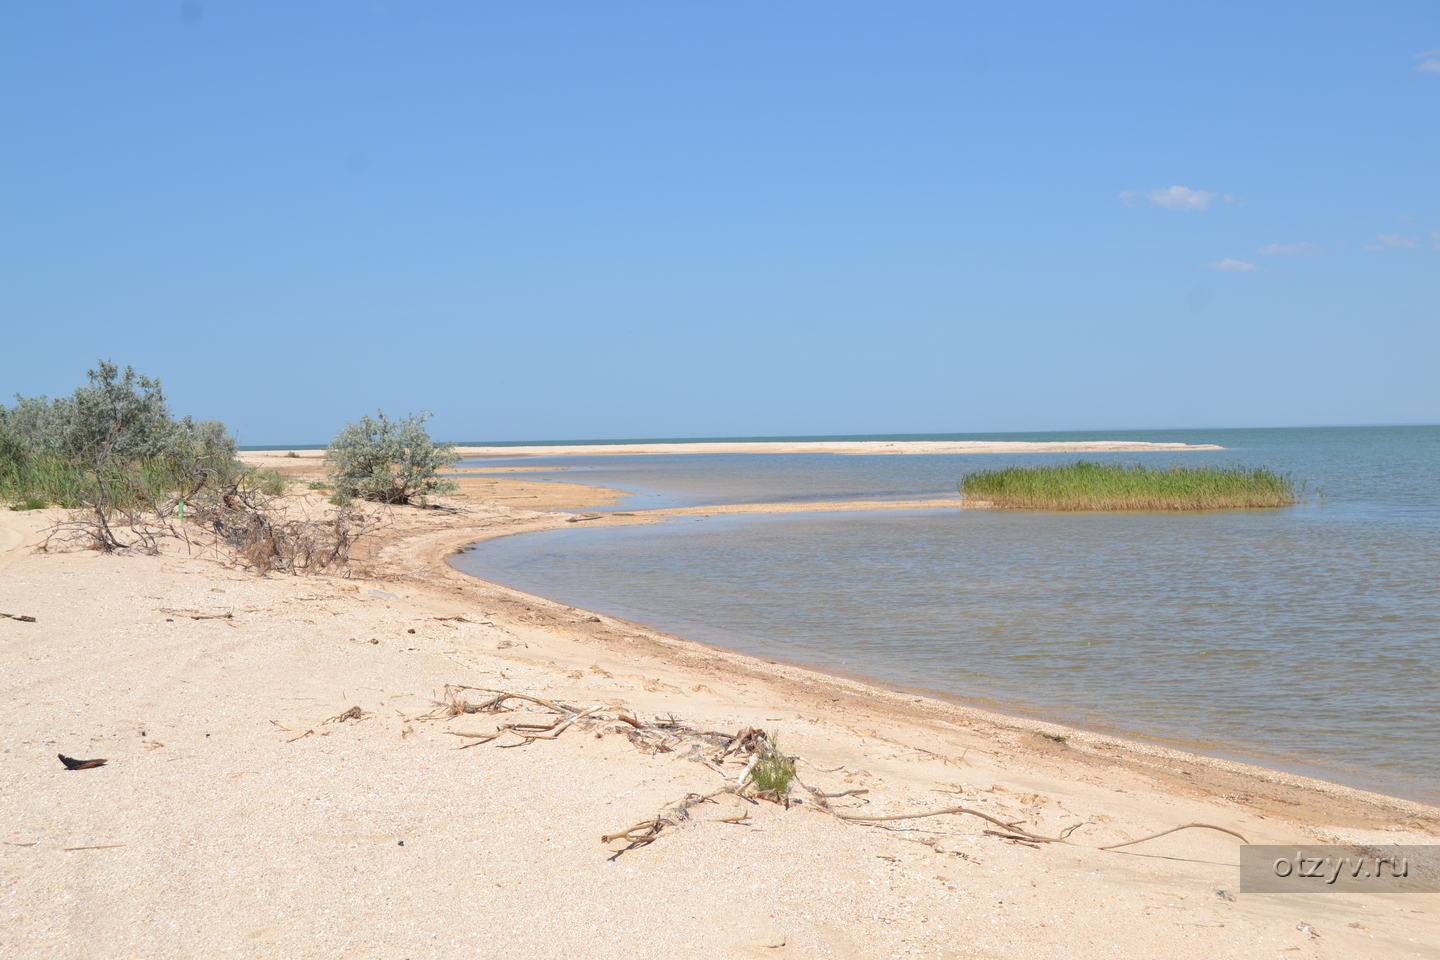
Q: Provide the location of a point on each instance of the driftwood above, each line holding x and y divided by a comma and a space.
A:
551, 732
648, 831
1185, 826
453, 705
713, 749
1013, 828
196, 615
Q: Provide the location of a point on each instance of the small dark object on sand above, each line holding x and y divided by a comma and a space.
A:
16, 616
72, 764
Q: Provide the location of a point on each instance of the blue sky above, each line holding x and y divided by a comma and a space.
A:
587, 220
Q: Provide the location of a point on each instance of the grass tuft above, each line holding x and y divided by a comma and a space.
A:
1101, 486
774, 771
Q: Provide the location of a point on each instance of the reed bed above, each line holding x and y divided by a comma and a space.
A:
1110, 487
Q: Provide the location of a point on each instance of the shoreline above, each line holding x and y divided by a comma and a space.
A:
281, 736
1313, 772
590, 496
806, 675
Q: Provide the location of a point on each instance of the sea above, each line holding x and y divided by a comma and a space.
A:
1304, 639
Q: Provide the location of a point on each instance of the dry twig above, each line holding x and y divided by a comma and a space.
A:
1184, 826
354, 713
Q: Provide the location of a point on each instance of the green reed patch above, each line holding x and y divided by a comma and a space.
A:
1103, 486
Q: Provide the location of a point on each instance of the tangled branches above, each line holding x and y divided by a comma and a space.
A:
257, 530
767, 773
235, 519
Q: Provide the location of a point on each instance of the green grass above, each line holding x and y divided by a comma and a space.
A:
269, 481
1102, 486
774, 771
48, 477
51, 479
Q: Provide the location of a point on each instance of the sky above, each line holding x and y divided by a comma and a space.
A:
590, 220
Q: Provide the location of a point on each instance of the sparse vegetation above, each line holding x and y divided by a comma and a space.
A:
388, 461
1107, 487
111, 448
773, 772
269, 481
131, 474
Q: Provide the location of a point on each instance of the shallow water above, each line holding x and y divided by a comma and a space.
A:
1305, 639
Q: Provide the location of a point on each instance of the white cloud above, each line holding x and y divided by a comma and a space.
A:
1291, 249
1175, 198
1404, 216
1393, 241
1236, 265
1428, 53
1432, 65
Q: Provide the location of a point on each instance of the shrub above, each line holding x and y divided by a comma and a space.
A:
388, 461
110, 446
269, 481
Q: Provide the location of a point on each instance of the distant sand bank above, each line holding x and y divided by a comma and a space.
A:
840, 446
268, 457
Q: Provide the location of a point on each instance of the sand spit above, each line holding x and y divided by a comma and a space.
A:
246, 812
839, 446
856, 447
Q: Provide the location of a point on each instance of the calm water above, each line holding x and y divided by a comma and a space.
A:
1305, 639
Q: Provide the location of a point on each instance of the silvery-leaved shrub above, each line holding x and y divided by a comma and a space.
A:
112, 443
388, 461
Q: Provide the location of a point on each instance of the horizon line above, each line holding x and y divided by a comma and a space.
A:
850, 438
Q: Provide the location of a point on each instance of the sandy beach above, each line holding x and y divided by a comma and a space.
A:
283, 780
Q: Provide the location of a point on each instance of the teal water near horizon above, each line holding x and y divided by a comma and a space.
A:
1305, 639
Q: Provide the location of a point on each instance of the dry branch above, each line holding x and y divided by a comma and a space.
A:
553, 731
647, 831
1012, 827
750, 743
354, 713
1185, 826
491, 735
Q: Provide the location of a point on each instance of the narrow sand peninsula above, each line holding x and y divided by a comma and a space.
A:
243, 814
837, 446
